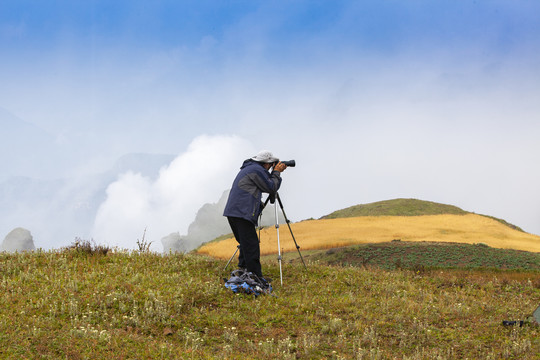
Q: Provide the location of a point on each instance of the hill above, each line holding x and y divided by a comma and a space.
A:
399, 219
71, 304
397, 207
404, 207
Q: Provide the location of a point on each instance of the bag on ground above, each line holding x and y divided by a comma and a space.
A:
242, 281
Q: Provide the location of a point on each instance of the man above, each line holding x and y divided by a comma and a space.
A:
244, 205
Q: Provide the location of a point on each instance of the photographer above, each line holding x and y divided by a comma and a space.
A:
244, 205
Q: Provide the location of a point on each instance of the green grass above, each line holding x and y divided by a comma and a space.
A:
397, 207
429, 255
71, 304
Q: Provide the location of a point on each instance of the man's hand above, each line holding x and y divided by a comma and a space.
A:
280, 167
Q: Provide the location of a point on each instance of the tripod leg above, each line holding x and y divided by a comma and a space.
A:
289, 225
228, 262
278, 245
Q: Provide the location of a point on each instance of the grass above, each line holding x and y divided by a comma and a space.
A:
138, 305
383, 221
386, 300
429, 255
397, 207
330, 233
405, 207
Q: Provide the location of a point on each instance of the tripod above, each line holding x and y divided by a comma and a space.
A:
272, 199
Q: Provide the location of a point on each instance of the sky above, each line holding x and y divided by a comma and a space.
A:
375, 100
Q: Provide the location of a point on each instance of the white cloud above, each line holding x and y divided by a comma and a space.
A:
169, 204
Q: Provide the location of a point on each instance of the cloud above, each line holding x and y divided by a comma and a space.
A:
438, 103
169, 203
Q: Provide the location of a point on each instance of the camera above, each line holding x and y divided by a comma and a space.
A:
289, 163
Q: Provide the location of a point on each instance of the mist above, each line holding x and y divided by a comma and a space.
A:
432, 101
169, 203
356, 137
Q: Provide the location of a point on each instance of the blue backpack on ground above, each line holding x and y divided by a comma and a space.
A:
242, 281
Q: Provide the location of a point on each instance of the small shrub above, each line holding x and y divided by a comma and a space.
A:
419, 269
88, 247
143, 244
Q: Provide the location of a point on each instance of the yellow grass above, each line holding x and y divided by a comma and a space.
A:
328, 233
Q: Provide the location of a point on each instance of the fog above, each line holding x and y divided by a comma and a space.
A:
116, 130
169, 203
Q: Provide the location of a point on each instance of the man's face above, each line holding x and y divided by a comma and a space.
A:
267, 166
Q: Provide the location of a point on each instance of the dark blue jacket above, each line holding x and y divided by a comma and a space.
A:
246, 193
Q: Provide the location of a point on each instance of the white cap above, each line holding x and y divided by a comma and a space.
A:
265, 156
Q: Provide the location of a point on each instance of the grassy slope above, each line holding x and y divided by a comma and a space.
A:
68, 304
419, 256
404, 219
405, 207
330, 233
397, 207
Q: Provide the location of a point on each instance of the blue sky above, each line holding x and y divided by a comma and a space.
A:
435, 100
376, 25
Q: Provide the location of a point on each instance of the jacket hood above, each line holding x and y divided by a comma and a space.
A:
248, 162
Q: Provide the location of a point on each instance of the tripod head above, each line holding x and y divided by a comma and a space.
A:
270, 199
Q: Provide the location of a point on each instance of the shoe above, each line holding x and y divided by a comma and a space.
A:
265, 282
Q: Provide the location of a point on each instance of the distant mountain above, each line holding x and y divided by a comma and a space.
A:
22, 146
210, 223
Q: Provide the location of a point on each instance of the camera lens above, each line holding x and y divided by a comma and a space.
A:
290, 163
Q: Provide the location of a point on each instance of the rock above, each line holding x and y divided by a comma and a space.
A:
18, 239
209, 224
173, 242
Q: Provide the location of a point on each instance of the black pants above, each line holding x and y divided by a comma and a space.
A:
250, 252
